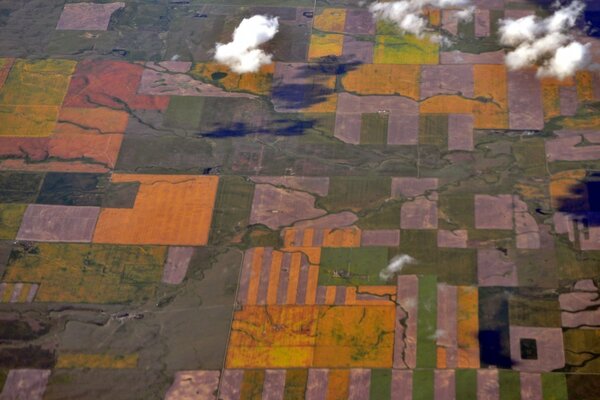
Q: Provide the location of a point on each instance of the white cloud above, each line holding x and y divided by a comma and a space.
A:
242, 53
408, 14
546, 42
396, 265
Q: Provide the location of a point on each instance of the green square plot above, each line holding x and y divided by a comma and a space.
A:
73, 189
433, 130
232, 209
373, 129
456, 210
381, 384
554, 387
575, 264
19, 187
252, 384
295, 384
356, 193
526, 311
10, 219
510, 385
184, 112
530, 154
405, 49
385, 217
452, 266
352, 266
466, 383
423, 385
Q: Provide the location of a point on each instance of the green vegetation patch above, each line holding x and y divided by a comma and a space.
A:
381, 384
554, 387
452, 266
19, 187
252, 385
184, 112
530, 154
581, 349
10, 219
456, 211
373, 129
423, 385
88, 273
433, 130
466, 383
232, 209
295, 384
352, 266
387, 216
73, 189
526, 311
510, 385
576, 264
356, 192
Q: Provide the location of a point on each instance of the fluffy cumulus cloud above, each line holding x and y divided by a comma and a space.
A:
408, 14
243, 54
546, 42
396, 265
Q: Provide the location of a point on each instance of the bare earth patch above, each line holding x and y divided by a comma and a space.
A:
53, 223
178, 260
194, 385
493, 212
87, 16
27, 384
276, 207
493, 269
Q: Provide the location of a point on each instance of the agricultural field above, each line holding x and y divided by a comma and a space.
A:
374, 214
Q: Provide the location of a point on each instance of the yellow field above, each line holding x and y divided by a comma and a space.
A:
405, 49
85, 360
325, 44
330, 20
83, 273
384, 79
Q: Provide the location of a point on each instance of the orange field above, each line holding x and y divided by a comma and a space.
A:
317, 336
168, 210
259, 82
562, 183
490, 83
585, 91
384, 79
468, 327
551, 95
338, 384
93, 133
447, 104
343, 237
